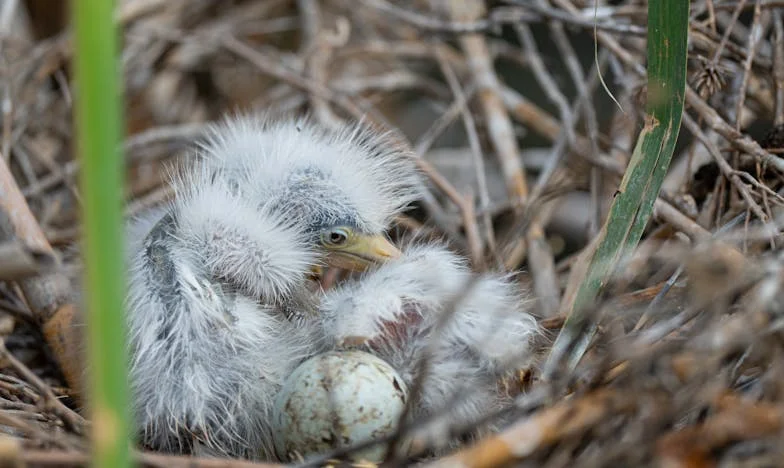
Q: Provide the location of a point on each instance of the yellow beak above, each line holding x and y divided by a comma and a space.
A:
362, 252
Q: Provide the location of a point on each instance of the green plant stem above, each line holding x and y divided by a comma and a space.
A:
98, 130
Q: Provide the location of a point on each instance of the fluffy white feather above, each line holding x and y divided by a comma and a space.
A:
206, 359
296, 163
393, 312
252, 246
219, 311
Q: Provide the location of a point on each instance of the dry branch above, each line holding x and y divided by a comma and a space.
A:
48, 295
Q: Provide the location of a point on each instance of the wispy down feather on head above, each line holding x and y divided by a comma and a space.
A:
352, 175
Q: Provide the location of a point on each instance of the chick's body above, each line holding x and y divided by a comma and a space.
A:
207, 354
395, 313
219, 309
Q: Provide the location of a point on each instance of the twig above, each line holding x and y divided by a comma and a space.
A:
443, 121
565, 419
584, 21
778, 66
275, 67
17, 261
608, 41
546, 81
74, 421
479, 168
47, 295
31, 430
317, 48
542, 267
394, 80
727, 31
171, 136
544, 124
751, 49
499, 125
154, 198
472, 232
589, 113
736, 420
737, 139
682, 222
427, 23
724, 166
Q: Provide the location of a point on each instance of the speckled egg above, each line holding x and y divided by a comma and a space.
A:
338, 399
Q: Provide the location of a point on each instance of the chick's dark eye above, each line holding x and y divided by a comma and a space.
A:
335, 237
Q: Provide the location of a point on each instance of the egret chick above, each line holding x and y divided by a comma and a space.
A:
394, 312
218, 308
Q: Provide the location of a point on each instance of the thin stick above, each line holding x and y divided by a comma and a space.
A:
72, 420
47, 295
564, 419
479, 168
499, 125
778, 65
724, 166
317, 49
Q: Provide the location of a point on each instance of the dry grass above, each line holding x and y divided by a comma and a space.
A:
523, 149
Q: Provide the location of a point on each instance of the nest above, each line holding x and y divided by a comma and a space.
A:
500, 100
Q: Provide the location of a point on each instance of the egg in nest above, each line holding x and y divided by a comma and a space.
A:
338, 399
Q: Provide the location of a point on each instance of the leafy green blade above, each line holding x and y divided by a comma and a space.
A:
634, 200
98, 125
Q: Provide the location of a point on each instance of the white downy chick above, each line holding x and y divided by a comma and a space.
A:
393, 312
218, 308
